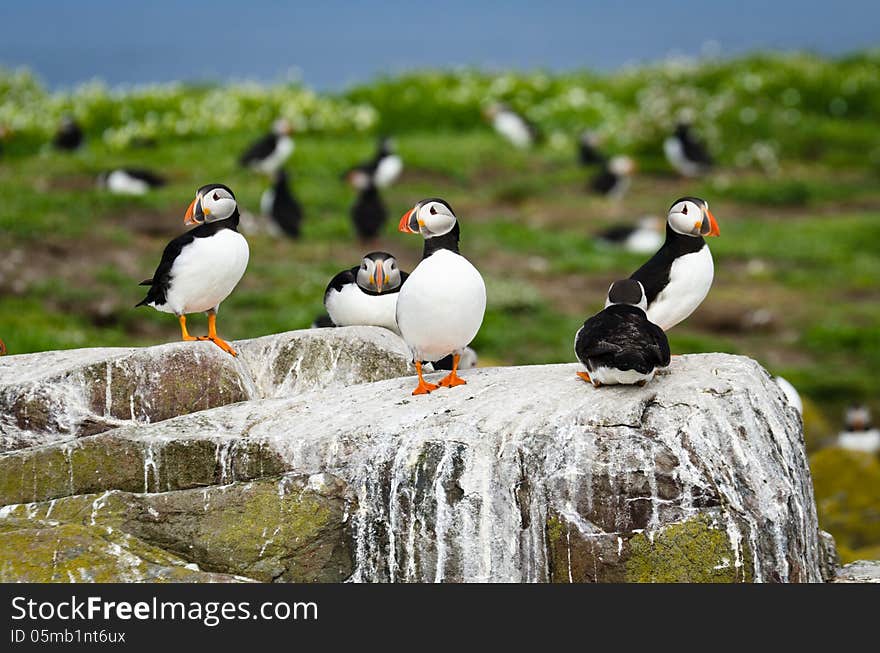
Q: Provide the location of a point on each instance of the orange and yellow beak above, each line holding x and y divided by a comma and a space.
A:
194, 212
406, 222
379, 279
712, 226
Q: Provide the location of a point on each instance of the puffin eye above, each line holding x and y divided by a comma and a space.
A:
433, 211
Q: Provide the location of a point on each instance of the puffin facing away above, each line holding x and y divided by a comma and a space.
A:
642, 238
513, 127
200, 268
279, 203
620, 344
367, 293
678, 277
368, 213
686, 153
130, 181
441, 306
613, 178
269, 153
859, 434
69, 135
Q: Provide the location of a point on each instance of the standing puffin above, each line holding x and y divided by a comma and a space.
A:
620, 344
368, 213
278, 203
200, 268
130, 181
367, 293
858, 434
441, 306
643, 237
384, 168
269, 153
69, 135
686, 153
613, 178
589, 153
678, 277
512, 126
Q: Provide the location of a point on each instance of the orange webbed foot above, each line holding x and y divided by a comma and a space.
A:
225, 346
424, 387
585, 376
451, 380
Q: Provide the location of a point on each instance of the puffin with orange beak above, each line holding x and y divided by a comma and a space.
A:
678, 277
201, 268
441, 306
366, 295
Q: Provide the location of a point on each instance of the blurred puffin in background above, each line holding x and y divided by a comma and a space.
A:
270, 152
200, 268
686, 153
130, 181
589, 152
677, 278
368, 213
792, 396
620, 345
279, 203
69, 135
859, 434
614, 177
441, 306
366, 295
644, 237
385, 166
513, 127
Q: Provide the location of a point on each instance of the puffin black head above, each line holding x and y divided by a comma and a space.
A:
379, 273
213, 202
858, 418
690, 216
629, 292
431, 217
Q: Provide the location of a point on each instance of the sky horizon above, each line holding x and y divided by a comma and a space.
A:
335, 45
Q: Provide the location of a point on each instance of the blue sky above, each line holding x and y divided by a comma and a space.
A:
336, 43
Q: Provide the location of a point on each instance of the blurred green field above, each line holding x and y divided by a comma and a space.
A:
798, 205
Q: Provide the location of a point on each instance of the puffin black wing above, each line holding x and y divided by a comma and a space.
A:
147, 176
621, 337
369, 213
694, 150
660, 346
616, 234
259, 150
162, 278
604, 182
342, 279
286, 210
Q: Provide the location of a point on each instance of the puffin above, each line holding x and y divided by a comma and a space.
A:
441, 306
620, 345
200, 268
686, 153
614, 176
859, 434
385, 167
130, 181
512, 126
367, 293
69, 135
644, 237
589, 153
270, 152
368, 213
279, 203
678, 277
792, 396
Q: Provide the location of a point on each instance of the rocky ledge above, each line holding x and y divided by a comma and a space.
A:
524, 474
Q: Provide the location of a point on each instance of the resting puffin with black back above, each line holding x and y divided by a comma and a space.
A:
589, 150
686, 153
367, 293
614, 177
69, 135
441, 306
200, 268
678, 277
620, 345
130, 181
368, 213
279, 203
385, 166
270, 152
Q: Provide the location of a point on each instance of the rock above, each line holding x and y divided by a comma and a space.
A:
829, 560
291, 529
46, 551
525, 474
862, 571
61, 395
